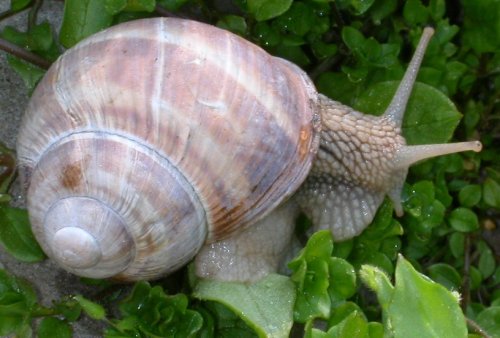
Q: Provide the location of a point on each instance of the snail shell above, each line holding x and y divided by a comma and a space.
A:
155, 136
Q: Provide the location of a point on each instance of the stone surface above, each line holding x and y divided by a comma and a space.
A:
50, 282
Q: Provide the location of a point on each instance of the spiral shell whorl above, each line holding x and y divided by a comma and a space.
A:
75, 229
237, 126
127, 230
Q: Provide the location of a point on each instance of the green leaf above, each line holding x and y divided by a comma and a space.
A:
353, 326
380, 260
17, 5
415, 12
81, 19
52, 327
476, 278
115, 6
463, 220
487, 262
491, 192
267, 9
456, 243
446, 275
319, 245
16, 235
361, 6
343, 279
341, 311
489, 320
70, 309
378, 281
383, 225
434, 313
17, 285
310, 272
357, 7
481, 29
223, 321
17, 299
266, 35
375, 330
233, 23
92, 309
391, 246
470, 195
266, 306
369, 51
30, 74
323, 50
430, 116
156, 313
298, 20
437, 9
353, 39
40, 37
382, 9
38, 40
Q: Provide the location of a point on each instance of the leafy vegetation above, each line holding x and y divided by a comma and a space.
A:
434, 272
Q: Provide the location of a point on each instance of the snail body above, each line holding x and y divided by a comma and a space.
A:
152, 138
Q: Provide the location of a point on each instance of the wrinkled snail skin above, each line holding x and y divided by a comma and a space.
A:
361, 159
155, 137
249, 255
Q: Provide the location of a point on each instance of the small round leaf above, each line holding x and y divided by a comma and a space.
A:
463, 220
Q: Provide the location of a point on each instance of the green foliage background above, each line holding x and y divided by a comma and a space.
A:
356, 52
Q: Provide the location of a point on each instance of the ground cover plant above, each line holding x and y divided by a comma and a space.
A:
434, 272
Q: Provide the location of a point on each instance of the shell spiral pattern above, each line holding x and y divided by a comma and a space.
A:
155, 136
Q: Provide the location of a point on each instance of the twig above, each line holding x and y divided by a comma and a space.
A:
7, 14
478, 329
325, 65
337, 16
24, 54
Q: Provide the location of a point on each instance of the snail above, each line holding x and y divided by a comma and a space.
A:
154, 138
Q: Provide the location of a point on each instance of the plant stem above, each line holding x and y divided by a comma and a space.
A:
24, 54
33, 13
